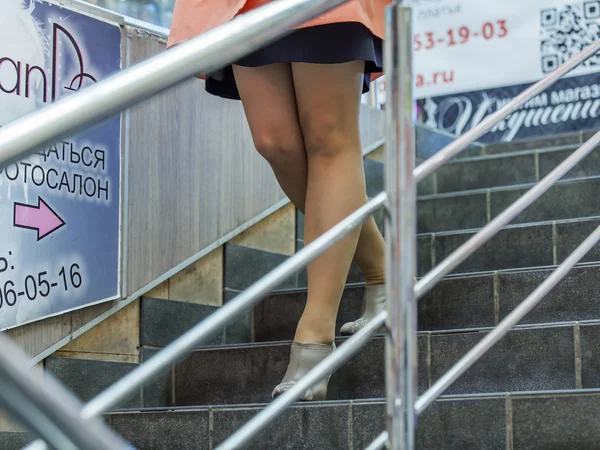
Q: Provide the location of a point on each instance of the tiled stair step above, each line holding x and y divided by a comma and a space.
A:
528, 359
569, 199
517, 421
515, 247
515, 168
455, 303
554, 356
518, 246
561, 140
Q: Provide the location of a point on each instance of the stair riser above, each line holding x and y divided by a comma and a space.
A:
518, 247
505, 170
526, 360
88, 378
249, 374
486, 298
569, 200
459, 303
561, 140
512, 248
520, 422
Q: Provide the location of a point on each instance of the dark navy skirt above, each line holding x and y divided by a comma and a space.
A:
334, 43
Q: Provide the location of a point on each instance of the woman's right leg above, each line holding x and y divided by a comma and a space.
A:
269, 102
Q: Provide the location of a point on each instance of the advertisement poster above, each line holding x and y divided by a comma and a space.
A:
59, 208
473, 56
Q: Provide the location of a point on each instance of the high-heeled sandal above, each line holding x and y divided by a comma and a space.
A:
374, 302
303, 358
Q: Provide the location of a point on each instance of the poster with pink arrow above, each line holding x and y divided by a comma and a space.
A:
60, 209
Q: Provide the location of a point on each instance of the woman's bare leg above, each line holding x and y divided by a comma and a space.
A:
328, 99
269, 101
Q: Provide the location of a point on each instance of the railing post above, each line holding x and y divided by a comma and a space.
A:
401, 349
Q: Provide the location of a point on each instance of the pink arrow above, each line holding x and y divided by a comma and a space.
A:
40, 218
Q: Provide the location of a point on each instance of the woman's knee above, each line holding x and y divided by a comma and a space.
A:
279, 150
328, 135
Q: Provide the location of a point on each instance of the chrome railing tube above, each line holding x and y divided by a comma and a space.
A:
493, 227
331, 363
401, 226
203, 54
461, 143
46, 408
380, 442
123, 388
504, 327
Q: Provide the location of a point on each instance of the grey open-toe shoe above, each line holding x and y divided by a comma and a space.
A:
374, 301
303, 358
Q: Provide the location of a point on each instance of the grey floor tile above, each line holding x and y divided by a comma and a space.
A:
524, 360
158, 392
590, 166
568, 200
427, 186
248, 374
14, 440
245, 375
571, 235
374, 177
451, 213
429, 141
560, 422
511, 248
458, 303
463, 424
424, 262
244, 266
446, 425
574, 298
362, 376
423, 347
590, 356
299, 225
276, 317
239, 329
325, 427
587, 134
173, 430
368, 421
87, 378
486, 172
534, 144
163, 321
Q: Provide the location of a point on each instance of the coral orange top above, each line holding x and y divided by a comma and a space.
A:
194, 17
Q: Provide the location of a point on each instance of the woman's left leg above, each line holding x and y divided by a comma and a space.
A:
328, 99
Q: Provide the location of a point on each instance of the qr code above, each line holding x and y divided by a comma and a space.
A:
568, 30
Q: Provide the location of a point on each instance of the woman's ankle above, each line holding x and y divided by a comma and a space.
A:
314, 334
374, 277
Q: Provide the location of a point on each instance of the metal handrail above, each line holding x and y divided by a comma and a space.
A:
163, 360
498, 332
46, 407
404, 292
319, 372
116, 93
203, 54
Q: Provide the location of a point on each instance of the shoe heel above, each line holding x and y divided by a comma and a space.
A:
303, 358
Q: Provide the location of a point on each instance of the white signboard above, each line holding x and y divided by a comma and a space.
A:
472, 56
60, 207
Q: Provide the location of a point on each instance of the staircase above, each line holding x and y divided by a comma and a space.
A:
539, 388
